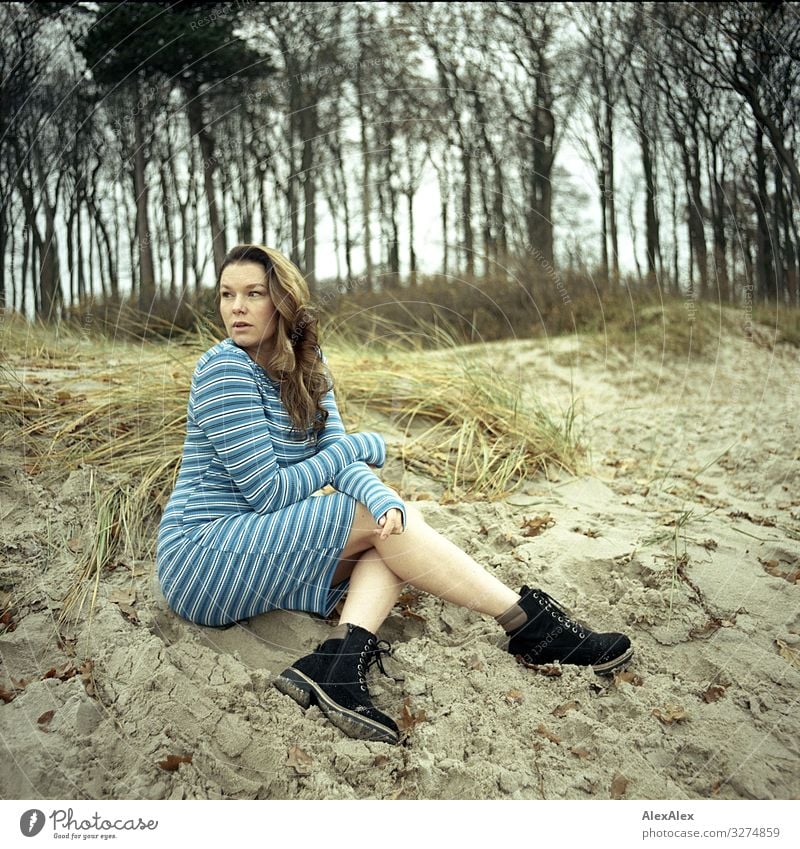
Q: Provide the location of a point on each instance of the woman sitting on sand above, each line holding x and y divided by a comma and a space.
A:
242, 534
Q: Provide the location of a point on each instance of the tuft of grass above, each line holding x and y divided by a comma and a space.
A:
677, 534
463, 421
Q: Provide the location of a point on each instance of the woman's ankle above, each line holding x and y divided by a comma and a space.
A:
512, 618
339, 632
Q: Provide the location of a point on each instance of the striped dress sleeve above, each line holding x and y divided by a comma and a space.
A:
226, 405
356, 480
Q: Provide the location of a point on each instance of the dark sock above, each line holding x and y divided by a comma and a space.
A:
339, 632
511, 619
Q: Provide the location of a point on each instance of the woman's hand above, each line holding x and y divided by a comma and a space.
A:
390, 523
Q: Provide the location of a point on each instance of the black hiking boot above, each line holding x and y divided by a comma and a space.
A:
334, 676
298, 680
551, 636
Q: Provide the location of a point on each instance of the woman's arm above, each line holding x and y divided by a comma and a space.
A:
226, 405
360, 482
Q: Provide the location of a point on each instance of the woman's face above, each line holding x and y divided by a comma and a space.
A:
246, 308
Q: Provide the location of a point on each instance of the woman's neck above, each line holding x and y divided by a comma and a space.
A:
261, 362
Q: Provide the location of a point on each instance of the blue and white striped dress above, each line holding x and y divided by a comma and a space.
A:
241, 533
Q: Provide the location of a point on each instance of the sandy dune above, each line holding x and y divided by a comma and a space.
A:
682, 530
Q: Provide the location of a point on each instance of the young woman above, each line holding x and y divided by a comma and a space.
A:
243, 533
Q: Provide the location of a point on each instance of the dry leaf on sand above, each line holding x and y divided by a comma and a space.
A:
120, 596
545, 732
563, 710
629, 677
673, 713
44, 719
788, 653
713, 693
532, 526
619, 785
551, 670
172, 762
408, 719
299, 760
515, 697
87, 676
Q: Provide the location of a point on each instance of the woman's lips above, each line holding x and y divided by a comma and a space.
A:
241, 326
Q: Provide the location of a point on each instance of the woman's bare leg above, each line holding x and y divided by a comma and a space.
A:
373, 591
424, 558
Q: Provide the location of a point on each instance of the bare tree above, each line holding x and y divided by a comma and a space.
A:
608, 59
646, 112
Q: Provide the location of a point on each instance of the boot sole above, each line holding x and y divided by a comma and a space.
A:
610, 665
597, 668
304, 691
352, 723
294, 684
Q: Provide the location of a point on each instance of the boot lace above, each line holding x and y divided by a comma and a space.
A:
372, 654
550, 605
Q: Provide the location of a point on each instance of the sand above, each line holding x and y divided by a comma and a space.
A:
696, 458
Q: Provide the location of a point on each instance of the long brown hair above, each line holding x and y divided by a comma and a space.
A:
294, 358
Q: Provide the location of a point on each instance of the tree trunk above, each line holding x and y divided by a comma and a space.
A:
676, 280
650, 213
390, 212
28, 250
501, 240
603, 186
51, 296
168, 229
634, 240
245, 227
697, 239
777, 235
366, 186
348, 233
112, 271
444, 203
466, 211
766, 274
83, 290
147, 286
540, 226
73, 296
716, 181
412, 256
310, 131
792, 253
608, 152
330, 197
3, 242
209, 166
486, 223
